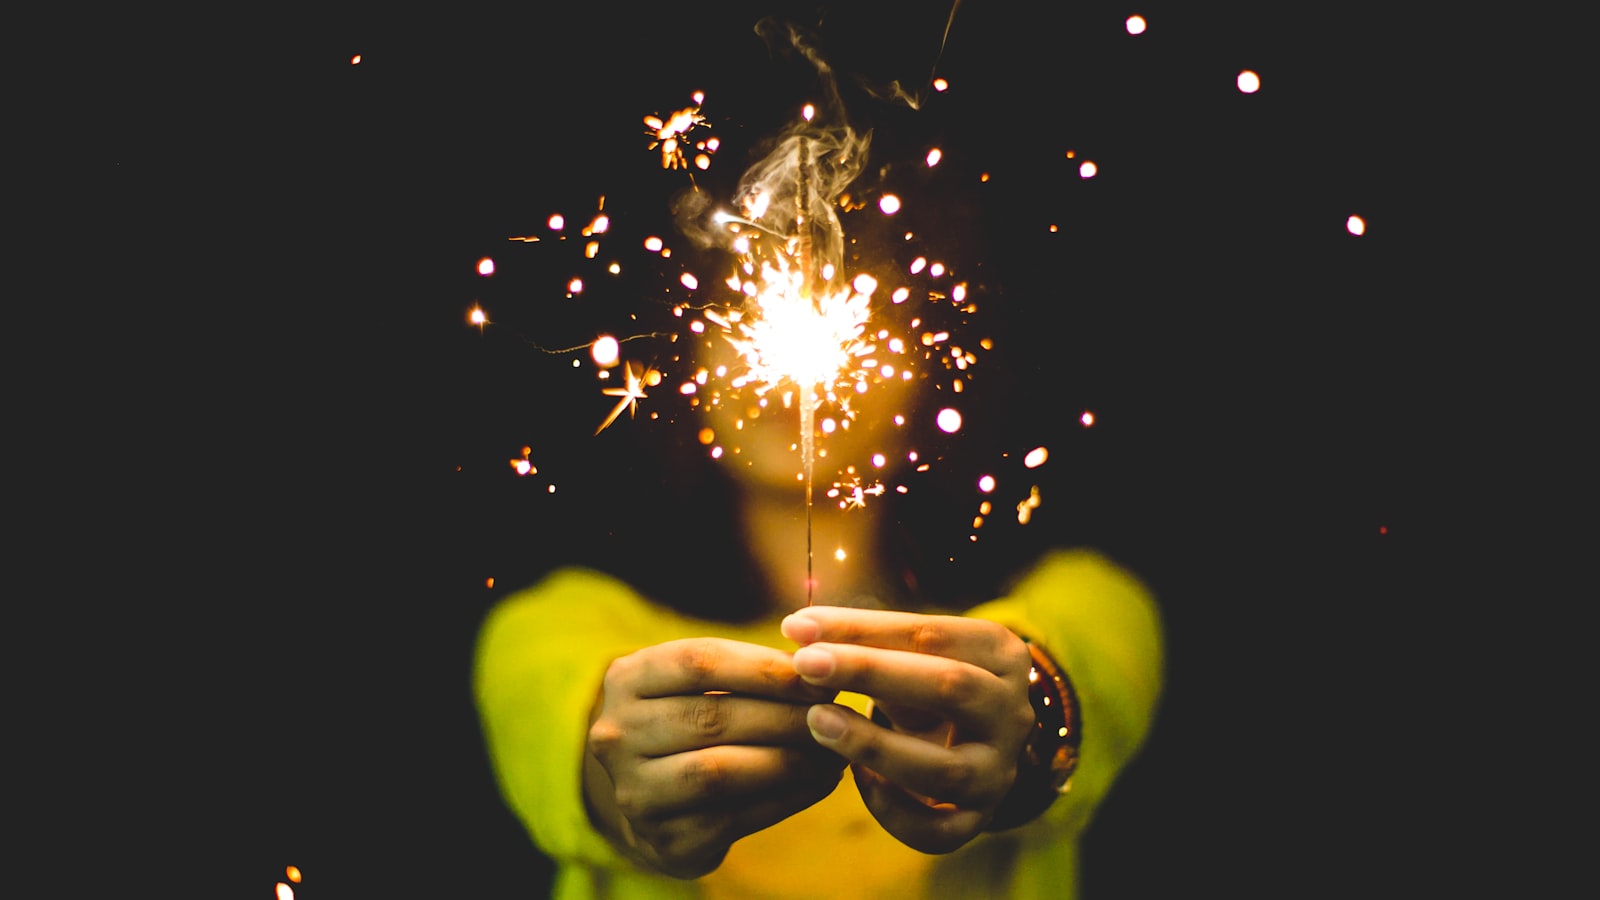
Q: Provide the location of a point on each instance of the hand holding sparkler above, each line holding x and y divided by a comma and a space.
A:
956, 691
696, 743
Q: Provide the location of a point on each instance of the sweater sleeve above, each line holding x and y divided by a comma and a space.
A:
540, 658
1103, 627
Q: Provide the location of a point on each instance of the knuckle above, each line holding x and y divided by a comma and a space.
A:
928, 636
708, 716
1023, 716
951, 687
1012, 648
703, 773
605, 736
697, 658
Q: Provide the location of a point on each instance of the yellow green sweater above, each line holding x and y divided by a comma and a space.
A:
542, 652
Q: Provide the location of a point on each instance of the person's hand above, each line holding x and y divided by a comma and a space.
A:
696, 743
956, 691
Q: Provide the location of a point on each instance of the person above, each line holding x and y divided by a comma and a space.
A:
685, 734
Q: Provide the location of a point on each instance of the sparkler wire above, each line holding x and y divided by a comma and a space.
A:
807, 412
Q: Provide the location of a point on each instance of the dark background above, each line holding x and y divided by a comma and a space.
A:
285, 456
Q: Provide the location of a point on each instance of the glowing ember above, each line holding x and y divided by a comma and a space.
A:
1136, 24
605, 350
1036, 457
486, 266
671, 134
1249, 82
1087, 169
948, 420
1356, 225
1087, 418
631, 393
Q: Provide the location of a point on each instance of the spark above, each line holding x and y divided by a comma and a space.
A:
605, 350
1026, 507
670, 135
853, 495
1249, 82
631, 393
522, 465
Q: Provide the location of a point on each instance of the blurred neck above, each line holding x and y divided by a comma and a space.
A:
844, 561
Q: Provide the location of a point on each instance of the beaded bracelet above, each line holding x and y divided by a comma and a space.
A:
1050, 754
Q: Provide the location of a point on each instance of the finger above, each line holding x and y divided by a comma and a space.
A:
983, 643
929, 828
967, 775
974, 698
697, 665
694, 844
726, 779
668, 725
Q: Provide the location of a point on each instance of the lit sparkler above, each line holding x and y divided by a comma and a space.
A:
803, 331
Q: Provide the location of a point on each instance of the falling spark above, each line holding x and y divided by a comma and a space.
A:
486, 266
1026, 507
1087, 169
1356, 225
671, 134
631, 393
1249, 82
605, 350
522, 465
1136, 24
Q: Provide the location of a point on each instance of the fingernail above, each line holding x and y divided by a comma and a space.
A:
800, 629
826, 722
813, 662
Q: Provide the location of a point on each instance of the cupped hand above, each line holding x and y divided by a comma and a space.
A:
956, 692
696, 743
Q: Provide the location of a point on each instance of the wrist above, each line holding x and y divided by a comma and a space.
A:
1050, 753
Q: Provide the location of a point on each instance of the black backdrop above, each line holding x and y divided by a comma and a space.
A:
286, 469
